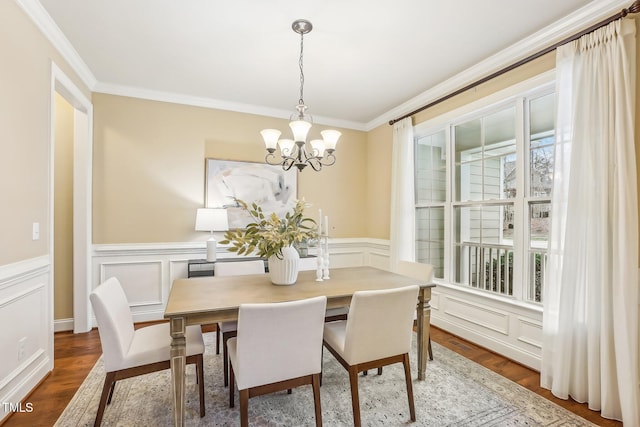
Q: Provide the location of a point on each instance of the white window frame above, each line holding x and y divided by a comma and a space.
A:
516, 95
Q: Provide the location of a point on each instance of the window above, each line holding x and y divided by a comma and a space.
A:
541, 141
483, 183
431, 188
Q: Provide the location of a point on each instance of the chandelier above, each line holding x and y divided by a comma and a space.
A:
294, 152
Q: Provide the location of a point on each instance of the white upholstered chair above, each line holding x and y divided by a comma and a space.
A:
368, 340
129, 352
278, 346
226, 330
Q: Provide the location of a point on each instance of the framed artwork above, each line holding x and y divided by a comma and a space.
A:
271, 187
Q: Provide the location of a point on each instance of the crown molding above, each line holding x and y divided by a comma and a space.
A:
40, 17
571, 24
177, 98
582, 18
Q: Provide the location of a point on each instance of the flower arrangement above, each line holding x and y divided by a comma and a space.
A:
267, 235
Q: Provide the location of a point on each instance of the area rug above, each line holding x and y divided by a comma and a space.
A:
456, 392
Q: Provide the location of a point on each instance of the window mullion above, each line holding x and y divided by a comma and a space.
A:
519, 249
448, 210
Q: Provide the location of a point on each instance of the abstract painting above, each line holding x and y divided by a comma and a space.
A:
271, 187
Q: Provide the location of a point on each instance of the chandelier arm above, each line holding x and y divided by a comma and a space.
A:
287, 163
315, 164
331, 159
271, 156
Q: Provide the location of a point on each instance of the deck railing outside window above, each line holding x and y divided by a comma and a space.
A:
490, 268
537, 268
487, 267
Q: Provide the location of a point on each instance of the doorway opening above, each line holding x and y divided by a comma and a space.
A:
82, 134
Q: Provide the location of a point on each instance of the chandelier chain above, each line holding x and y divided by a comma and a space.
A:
301, 101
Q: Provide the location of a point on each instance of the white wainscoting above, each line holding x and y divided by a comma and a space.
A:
146, 271
496, 323
27, 328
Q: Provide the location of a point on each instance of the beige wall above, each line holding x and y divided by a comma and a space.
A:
637, 130
25, 77
149, 162
380, 148
63, 209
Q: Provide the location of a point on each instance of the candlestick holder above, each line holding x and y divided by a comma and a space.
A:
325, 262
319, 261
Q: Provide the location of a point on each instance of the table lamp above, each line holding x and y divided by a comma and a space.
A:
210, 219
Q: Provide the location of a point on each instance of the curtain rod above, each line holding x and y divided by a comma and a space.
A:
634, 8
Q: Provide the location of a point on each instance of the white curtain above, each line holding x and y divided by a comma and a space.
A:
402, 195
590, 325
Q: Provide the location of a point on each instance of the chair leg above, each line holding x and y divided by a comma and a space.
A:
109, 380
232, 385
315, 383
244, 408
225, 362
429, 349
200, 376
355, 399
407, 376
111, 390
217, 338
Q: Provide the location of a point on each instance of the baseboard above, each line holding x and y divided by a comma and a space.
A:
500, 347
62, 325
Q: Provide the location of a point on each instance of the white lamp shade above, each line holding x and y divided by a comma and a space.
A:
286, 146
270, 137
300, 128
211, 219
330, 137
317, 146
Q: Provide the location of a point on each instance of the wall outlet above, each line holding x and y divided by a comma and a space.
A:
21, 345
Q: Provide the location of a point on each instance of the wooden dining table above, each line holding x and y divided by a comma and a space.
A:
207, 300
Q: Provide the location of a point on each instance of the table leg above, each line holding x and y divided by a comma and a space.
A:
178, 363
424, 321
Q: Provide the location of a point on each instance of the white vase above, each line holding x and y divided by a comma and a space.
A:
284, 271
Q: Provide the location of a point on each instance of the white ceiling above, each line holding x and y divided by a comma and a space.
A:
363, 58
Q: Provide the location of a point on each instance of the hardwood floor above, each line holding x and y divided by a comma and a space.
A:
75, 355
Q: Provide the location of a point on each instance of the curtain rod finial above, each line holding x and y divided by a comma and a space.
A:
634, 8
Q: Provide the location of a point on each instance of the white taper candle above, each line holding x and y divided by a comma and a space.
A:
326, 225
